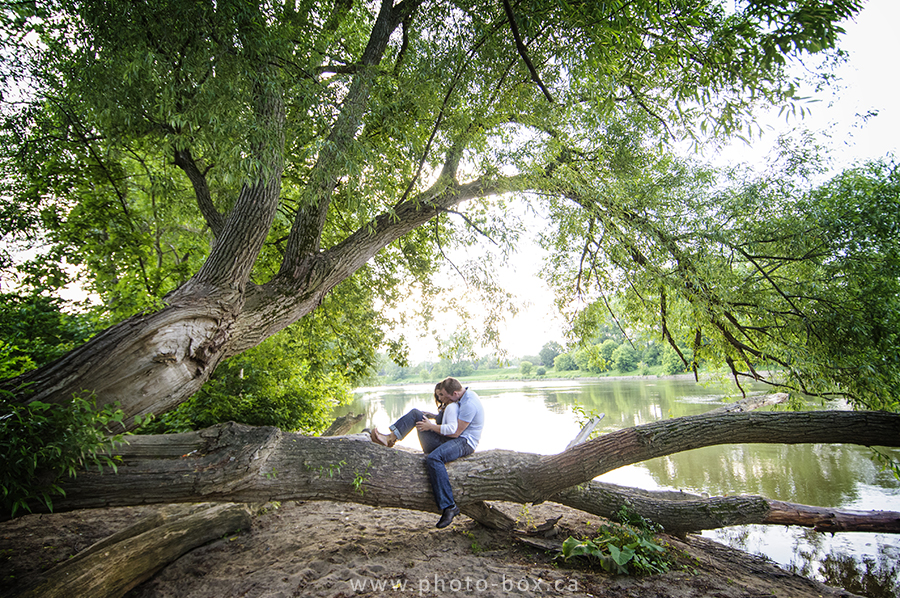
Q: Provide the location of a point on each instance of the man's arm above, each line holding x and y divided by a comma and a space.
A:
427, 425
460, 428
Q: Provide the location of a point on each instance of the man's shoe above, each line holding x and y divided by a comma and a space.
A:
387, 440
447, 516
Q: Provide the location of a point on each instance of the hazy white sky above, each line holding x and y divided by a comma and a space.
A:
869, 82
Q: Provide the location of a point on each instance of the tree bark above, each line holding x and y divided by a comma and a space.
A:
117, 564
150, 544
237, 463
680, 513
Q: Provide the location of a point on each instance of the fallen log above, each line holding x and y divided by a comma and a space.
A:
680, 513
753, 402
88, 572
114, 566
236, 463
342, 425
830, 520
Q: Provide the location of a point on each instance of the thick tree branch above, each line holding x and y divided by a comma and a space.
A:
227, 269
306, 231
236, 463
317, 274
523, 51
213, 218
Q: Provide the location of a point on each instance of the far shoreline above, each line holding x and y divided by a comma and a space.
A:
700, 378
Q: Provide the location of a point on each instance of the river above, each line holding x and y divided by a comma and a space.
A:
541, 417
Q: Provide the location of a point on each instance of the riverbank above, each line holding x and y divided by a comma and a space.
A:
483, 376
331, 550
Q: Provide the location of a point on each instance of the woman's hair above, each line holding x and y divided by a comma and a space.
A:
438, 401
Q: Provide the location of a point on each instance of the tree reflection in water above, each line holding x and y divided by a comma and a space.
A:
875, 578
875, 573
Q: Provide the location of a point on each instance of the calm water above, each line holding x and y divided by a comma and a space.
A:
538, 417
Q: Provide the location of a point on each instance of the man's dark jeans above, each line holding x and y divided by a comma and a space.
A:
440, 450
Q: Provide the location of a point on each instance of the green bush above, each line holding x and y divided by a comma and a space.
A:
627, 548
565, 363
35, 330
272, 384
525, 367
590, 359
42, 444
625, 358
671, 362
607, 348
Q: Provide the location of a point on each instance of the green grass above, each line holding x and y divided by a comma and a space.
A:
503, 374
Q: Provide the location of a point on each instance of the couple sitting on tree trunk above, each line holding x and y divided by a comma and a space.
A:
454, 433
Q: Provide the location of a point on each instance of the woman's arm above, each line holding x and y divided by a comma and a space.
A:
450, 421
451, 426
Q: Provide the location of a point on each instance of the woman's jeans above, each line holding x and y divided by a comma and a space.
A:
439, 451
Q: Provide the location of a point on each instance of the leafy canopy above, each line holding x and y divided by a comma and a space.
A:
130, 108
780, 277
132, 131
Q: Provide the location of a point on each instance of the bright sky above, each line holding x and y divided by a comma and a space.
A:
868, 82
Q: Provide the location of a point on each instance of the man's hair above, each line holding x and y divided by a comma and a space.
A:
450, 385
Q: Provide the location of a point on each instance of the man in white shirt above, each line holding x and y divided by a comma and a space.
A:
456, 436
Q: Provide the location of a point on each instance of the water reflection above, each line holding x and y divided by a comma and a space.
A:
539, 417
822, 475
873, 577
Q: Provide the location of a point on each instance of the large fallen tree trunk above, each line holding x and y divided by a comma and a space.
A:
236, 463
120, 562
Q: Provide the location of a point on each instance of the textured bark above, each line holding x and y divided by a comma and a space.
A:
829, 520
151, 363
681, 513
236, 463
342, 425
117, 564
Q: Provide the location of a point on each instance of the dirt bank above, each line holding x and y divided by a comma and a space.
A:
327, 549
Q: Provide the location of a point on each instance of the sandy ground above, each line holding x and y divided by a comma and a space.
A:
327, 549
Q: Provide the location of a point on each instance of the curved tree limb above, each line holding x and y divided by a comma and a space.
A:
318, 273
680, 513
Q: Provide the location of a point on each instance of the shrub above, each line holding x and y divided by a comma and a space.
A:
627, 548
625, 358
671, 362
589, 359
42, 444
565, 363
